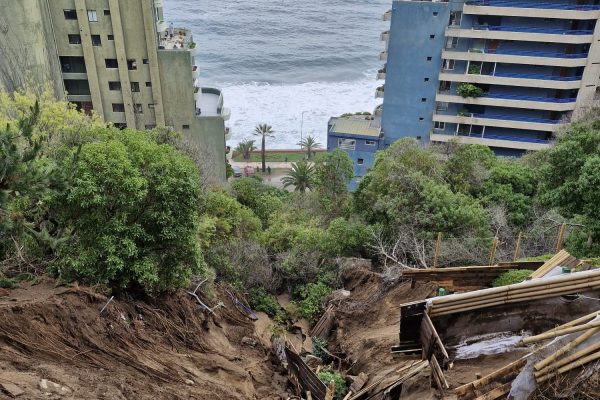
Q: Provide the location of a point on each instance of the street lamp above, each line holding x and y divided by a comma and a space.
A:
302, 126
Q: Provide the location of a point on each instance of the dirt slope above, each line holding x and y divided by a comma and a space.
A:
164, 349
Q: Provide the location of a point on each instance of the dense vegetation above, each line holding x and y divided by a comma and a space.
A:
129, 210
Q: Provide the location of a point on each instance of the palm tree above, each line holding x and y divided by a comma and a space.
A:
301, 175
310, 144
264, 131
245, 147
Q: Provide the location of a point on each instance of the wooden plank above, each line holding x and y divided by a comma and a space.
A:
306, 380
496, 393
438, 374
440, 346
324, 325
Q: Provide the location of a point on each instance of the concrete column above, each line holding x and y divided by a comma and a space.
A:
89, 56
115, 13
589, 80
152, 44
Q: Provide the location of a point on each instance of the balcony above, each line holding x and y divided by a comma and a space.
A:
378, 110
385, 36
381, 74
387, 16
522, 33
161, 26
197, 93
383, 56
159, 4
521, 80
210, 104
501, 121
514, 101
518, 57
195, 72
182, 39
227, 133
379, 92
526, 9
511, 142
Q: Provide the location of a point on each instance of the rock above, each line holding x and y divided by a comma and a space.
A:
50, 387
312, 361
248, 341
189, 382
338, 295
10, 389
358, 382
4, 292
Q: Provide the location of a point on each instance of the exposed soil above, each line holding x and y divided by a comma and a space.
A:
161, 349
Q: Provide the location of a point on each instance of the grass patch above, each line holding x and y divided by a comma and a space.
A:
543, 257
512, 277
271, 157
7, 283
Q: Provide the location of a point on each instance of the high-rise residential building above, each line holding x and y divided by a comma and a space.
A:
502, 73
118, 58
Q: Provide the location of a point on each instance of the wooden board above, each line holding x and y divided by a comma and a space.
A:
304, 379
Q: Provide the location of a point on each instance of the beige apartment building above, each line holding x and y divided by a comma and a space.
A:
118, 58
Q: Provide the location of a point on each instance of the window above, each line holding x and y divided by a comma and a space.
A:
370, 142
131, 65
135, 87
441, 106
347, 144
114, 85
70, 14
418, 137
429, 59
111, 37
421, 118
148, 84
439, 125
151, 126
185, 127
74, 39
137, 108
448, 65
431, 36
96, 40
146, 61
451, 42
111, 63
72, 64
435, 13
107, 13
423, 99
118, 107
455, 17
92, 16
120, 125
360, 161
425, 79
444, 86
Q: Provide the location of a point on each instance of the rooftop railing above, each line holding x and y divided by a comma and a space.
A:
535, 53
531, 98
531, 4
516, 118
538, 76
508, 28
511, 138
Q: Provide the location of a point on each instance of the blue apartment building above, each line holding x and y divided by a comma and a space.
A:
503, 73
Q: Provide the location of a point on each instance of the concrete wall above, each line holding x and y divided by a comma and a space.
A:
410, 44
27, 47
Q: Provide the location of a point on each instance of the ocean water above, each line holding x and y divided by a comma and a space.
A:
276, 60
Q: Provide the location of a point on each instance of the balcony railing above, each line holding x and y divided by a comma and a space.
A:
538, 76
535, 53
531, 4
529, 29
516, 118
511, 138
531, 98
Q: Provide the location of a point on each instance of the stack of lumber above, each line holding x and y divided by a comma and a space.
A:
583, 348
535, 289
560, 259
402, 375
466, 278
563, 360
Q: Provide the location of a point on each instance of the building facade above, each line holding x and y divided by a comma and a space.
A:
502, 73
359, 136
118, 58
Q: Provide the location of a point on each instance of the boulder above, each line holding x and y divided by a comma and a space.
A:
50, 387
248, 341
10, 389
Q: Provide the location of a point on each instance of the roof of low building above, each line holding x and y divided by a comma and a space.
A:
354, 126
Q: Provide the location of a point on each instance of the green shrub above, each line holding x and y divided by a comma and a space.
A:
7, 283
319, 344
312, 296
511, 277
326, 376
260, 300
475, 69
469, 90
543, 257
